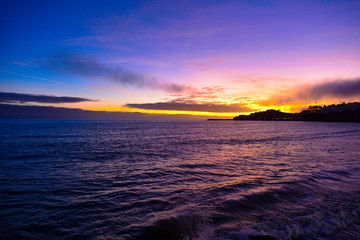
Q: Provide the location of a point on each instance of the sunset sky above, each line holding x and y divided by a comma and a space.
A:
202, 58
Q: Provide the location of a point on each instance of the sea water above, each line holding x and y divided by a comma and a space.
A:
179, 180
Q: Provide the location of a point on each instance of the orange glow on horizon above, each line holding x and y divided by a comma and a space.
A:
260, 105
167, 112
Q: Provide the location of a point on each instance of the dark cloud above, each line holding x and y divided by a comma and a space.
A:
337, 89
191, 106
340, 88
76, 64
8, 97
8, 111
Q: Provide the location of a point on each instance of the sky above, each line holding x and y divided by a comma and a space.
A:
178, 59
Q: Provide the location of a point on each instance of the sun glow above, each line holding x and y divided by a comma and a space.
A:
167, 112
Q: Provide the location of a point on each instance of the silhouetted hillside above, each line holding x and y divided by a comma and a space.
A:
349, 112
269, 115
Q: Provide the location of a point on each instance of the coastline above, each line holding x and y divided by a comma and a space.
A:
349, 112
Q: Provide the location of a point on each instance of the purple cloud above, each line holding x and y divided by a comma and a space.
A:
8, 97
340, 89
76, 64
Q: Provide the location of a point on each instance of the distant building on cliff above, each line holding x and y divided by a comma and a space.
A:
334, 108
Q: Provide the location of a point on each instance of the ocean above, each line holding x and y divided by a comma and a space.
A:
179, 180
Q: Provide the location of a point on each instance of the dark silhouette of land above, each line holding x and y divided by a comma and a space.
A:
345, 112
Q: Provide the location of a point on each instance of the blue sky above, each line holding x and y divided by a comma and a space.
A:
244, 54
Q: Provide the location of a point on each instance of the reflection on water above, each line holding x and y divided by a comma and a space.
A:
179, 180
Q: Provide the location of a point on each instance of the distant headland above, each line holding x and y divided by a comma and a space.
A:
345, 112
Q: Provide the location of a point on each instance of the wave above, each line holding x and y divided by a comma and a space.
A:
321, 206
